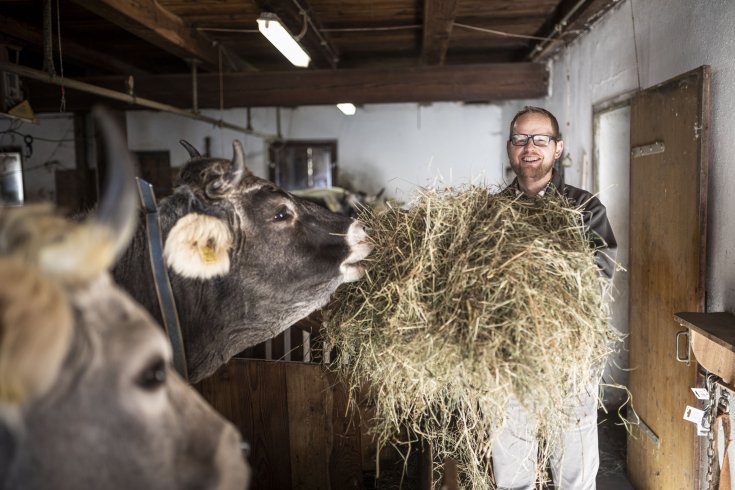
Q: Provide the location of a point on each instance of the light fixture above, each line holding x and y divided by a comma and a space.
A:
271, 27
347, 108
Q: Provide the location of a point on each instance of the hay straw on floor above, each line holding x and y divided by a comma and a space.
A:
470, 298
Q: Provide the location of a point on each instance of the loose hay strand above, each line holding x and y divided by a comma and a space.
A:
471, 298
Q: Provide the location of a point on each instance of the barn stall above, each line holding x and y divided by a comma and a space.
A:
435, 84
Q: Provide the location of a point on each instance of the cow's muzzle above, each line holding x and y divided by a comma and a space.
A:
360, 248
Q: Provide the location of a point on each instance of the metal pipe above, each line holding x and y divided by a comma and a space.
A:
557, 30
194, 90
131, 99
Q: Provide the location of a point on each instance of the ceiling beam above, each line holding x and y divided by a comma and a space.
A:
438, 21
464, 83
73, 51
322, 52
151, 22
570, 19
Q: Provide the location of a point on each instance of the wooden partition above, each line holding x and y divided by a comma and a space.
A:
294, 417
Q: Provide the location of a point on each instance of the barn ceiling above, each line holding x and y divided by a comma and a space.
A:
362, 51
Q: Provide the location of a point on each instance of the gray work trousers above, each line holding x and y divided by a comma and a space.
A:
574, 465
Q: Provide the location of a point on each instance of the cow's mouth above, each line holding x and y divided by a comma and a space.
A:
352, 269
352, 272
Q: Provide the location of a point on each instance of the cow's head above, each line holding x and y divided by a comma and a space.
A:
248, 258
88, 396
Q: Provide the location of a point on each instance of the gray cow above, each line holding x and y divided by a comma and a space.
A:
246, 259
88, 397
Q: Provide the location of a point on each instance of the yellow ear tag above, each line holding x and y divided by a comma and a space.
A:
208, 253
10, 393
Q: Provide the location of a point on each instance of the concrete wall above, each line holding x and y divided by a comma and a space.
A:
52, 148
641, 44
401, 146
396, 146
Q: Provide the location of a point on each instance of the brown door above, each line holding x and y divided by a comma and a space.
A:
668, 210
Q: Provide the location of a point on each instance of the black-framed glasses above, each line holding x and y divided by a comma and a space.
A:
518, 139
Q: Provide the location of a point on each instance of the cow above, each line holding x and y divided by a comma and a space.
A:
88, 395
245, 258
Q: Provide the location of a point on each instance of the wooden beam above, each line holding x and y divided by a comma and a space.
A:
323, 54
438, 21
73, 51
570, 19
465, 83
151, 22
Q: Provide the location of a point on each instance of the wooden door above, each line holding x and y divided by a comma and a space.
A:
295, 418
668, 215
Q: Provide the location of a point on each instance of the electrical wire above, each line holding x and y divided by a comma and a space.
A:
502, 33
635, 46
36, 138
392, 28
62, 106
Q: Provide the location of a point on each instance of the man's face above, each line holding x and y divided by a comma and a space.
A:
531, 161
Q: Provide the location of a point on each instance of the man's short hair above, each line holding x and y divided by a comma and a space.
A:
537, 110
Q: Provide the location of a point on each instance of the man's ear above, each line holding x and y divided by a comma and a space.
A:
559, 149
198, 247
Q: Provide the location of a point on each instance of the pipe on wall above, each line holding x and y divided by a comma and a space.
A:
131, 99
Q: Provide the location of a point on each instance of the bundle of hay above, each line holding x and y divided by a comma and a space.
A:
470, 298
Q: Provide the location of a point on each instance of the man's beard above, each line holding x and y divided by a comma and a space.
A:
534, 172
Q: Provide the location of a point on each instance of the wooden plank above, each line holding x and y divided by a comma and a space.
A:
345, 460
252, 394
488, 82
718, 327
438, 21
668, 197
73, 51
148, 20
310, 426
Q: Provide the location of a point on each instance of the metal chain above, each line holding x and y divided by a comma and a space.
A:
710, 413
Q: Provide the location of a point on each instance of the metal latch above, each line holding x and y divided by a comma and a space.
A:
646, 150
688, 357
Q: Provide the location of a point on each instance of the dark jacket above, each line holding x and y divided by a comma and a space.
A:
595, 220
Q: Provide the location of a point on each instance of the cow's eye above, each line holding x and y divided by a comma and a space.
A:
281, 214
153, 376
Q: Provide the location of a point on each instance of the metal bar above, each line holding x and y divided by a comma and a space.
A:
194, 89
164, 292
643, 427
679, 358
131, 99
646, 150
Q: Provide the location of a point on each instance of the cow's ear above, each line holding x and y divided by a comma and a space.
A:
36, 332
198, 247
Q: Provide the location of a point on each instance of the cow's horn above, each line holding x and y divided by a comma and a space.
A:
120, 202
193, 152
93, 247
234, 175
237, 166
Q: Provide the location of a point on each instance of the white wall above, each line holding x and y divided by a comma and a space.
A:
671, 37
405, 145
396, 146
613, 143
52, 148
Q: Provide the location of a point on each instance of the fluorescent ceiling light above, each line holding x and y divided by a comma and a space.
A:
347, 108
270, 26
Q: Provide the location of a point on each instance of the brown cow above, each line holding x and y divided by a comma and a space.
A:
88, 396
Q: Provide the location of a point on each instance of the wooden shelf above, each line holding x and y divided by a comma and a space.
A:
717, 327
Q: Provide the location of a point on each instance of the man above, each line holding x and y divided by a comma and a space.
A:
533, 146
